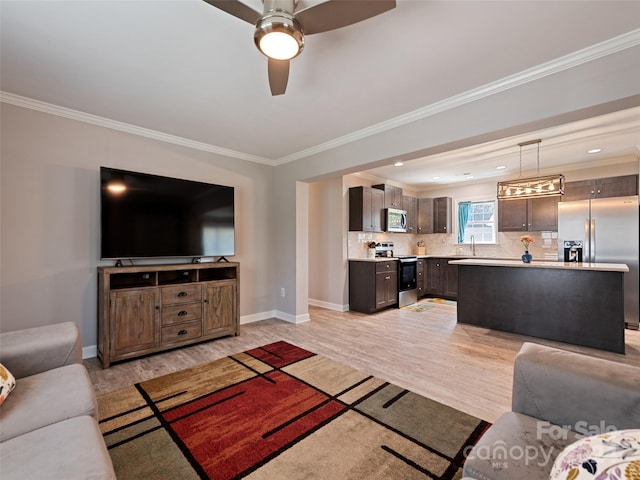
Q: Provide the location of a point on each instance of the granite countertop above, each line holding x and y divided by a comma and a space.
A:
484, 262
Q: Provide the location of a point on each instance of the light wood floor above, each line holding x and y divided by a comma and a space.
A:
466, 367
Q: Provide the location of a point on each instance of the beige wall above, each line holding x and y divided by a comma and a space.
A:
50, 215
327, 244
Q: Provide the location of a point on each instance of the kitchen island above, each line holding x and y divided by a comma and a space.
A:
578, 303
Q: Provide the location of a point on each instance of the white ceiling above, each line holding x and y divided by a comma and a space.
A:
187, 69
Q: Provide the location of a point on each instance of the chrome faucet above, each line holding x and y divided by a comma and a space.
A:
473, 245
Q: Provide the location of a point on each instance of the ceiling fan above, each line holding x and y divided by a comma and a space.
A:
280, 30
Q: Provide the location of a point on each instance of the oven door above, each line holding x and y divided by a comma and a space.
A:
407, 273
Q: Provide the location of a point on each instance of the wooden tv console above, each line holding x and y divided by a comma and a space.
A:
147, 309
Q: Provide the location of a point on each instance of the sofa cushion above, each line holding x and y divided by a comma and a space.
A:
7, 383
46, 398
615, 453
517, 446
72, 449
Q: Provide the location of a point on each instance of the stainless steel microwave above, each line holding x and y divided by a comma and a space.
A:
395, 220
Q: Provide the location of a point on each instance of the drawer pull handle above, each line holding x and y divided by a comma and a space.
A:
182, 294
182, 332
182, 313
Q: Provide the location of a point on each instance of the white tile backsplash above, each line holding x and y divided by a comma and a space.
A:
544, 247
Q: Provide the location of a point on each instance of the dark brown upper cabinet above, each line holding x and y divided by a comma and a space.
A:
366, 206
621, 186
392, 195
528, 214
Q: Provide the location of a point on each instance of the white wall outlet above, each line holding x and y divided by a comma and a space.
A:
282, 292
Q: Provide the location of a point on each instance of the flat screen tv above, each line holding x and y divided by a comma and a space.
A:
150, 216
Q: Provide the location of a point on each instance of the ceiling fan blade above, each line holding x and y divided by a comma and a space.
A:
340, 13
237, 9
278, 76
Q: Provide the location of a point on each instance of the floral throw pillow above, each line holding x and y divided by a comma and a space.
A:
7, 383
609, 456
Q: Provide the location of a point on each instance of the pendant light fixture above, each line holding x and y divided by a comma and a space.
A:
531, 187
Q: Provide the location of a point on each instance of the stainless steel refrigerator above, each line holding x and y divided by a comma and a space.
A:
608, 228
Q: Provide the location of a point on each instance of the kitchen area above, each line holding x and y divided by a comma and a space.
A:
581, 287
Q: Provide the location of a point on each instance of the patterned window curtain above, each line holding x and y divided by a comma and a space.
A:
464, 210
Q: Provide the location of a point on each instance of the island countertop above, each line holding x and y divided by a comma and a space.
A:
576, 266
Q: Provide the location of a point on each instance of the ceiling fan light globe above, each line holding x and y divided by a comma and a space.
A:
279, 36
279, 45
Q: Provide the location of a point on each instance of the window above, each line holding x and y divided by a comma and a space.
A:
477, 219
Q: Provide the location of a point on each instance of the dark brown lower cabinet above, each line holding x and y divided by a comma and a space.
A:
420, 277
373, 285
441, 278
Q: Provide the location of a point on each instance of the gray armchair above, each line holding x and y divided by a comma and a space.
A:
558, 397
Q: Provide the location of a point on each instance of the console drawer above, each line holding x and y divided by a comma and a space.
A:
181, 313
180, 333
174, 294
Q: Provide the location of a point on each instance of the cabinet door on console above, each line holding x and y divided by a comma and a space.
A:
135, 316
219, 307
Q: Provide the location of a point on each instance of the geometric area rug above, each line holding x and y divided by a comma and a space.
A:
281, 412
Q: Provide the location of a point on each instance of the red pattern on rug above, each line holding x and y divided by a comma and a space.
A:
280, 354
252, 420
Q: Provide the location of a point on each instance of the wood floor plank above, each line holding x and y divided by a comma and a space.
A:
466, 367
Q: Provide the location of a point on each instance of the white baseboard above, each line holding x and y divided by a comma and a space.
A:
330, 306
287, 317
256, 317
89, 352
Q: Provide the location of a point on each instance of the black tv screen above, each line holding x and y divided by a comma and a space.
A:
145, 216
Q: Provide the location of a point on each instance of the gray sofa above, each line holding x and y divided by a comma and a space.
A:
48, 424
558, 397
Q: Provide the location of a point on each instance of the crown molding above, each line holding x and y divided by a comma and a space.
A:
586, 55
69, 113
594, 52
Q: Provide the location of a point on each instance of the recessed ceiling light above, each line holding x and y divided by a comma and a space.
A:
501, 167
436, 178
398, 164
468, 177
594, 150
